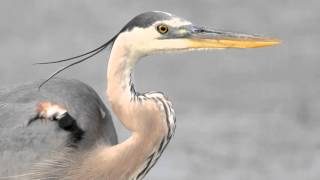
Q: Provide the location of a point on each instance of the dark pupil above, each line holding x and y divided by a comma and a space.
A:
163, 29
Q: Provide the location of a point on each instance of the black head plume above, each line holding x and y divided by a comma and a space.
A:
83, 57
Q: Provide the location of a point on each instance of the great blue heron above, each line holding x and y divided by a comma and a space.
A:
86, 146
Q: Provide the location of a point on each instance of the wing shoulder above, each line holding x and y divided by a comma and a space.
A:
22, 145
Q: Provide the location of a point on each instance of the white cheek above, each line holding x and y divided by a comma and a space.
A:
170, 45
145, 41
140, 40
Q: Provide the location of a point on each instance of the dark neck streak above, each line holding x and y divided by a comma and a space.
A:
143, 119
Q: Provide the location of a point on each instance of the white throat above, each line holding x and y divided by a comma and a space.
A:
149, 116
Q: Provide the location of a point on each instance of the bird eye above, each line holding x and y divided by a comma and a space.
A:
162, 28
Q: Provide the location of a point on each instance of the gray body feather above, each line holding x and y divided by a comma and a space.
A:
21, 146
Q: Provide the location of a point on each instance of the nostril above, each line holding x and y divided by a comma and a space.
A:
199, 30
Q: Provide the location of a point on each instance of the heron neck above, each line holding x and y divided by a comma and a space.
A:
119, 84
120, 89
142, 118
121, 93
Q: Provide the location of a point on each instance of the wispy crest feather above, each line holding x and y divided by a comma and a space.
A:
83, 57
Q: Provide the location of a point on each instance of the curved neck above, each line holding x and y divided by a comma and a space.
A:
136, 116
143, 118
119, 85
120, 90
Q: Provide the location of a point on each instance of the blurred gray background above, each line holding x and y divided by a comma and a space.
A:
242, 114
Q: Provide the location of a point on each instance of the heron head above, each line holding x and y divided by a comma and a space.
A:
156, 31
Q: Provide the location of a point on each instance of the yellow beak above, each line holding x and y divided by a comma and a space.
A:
218, 39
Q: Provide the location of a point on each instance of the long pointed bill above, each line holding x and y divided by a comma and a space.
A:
218, 39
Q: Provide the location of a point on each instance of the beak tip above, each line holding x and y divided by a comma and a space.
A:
263, 42
276, 41
273, 42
